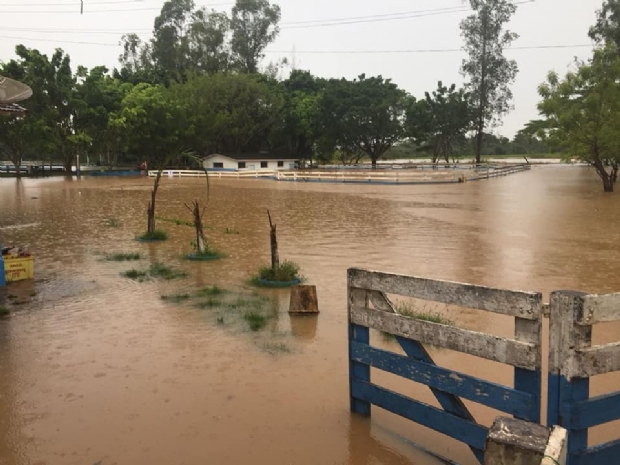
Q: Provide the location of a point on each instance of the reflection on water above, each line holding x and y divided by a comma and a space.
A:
97, 368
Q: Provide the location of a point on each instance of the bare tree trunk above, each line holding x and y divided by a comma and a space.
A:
201, 241
151, 209
483, 90
17, 162
275, 257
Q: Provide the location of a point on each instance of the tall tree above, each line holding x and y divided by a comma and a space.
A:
439, 120
208, 41
488, 72
607, 27
254, 25
583, 113
366, 115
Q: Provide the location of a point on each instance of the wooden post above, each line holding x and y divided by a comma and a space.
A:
304, 300
564, 338
517, 442
275, 257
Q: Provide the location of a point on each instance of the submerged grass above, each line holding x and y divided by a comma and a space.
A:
176, 298
211, 290
408, 310
176, 221
122, 257
286, 272
159, 270
4, 311
136, 275
112, 223
255, 320
276, 347
157, 235
210, 303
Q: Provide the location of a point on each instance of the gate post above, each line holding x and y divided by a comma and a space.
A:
564, 338
357, 370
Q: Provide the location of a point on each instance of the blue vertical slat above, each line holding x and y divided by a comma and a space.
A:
450, 403
529, 381
573, 391
358, 370
553, 399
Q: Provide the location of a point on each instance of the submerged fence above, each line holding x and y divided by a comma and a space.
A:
572, 360
365, 176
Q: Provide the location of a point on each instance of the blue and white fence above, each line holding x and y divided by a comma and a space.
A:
370, 307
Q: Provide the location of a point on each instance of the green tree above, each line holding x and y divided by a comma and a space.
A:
439, 120
583, 113
364, 116
488, 72
607, 27
254, 25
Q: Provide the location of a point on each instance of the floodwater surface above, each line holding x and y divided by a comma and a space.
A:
96, 368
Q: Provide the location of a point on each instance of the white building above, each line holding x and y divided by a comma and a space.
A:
249, 162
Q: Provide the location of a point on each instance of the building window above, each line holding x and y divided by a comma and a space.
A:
264, 164
218, 165
241, 165
280, 164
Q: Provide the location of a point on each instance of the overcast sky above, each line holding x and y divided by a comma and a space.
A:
431, 25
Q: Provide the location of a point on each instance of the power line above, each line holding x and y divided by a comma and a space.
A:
60, 41
113, 2
438, 50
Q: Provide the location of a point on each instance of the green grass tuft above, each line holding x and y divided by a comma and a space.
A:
255, 320
176, 221
210, 303
4, 311
136, 275
157, 235
122, 257
175, 298
288, 271
212, 290
159, 270
408, 310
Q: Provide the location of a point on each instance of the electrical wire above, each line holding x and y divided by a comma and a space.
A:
113, 2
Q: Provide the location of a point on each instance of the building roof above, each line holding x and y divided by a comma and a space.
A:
11, 109
253, 156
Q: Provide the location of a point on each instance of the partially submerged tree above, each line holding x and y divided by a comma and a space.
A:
367, 114
440, 120
583, 113
488, 72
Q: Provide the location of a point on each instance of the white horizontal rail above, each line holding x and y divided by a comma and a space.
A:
593, 361
598, 309
499, 349
214, 174
520, 304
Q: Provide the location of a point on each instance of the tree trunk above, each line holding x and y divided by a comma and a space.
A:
608, 183
201, 241
151, 209
374, 158
17, 162
275, 257
483, 90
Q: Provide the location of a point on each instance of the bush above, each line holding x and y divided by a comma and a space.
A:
288, 271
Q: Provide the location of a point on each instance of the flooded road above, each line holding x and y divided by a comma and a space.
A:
96, 368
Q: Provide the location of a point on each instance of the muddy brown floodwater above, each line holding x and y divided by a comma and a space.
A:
96, 368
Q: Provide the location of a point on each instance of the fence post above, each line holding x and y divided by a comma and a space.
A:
530, 381
517, 442
361, 371
564, 338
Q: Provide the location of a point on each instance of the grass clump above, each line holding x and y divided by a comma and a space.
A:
231, 231
408, 310
157, 235
176, 221
209, 304
211, 291
4, 311
122, 257
286, 272
177, 298
112, 223
159, 270
255, 320
136, 275
276, 347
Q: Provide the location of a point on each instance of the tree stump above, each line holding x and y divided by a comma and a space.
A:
304, 300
